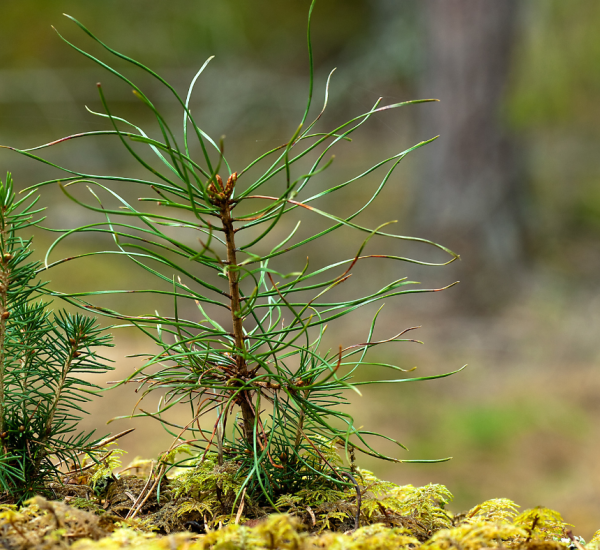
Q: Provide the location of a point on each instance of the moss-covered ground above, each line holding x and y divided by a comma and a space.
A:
206, 507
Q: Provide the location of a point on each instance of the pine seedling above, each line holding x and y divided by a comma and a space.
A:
278, 396
42, 358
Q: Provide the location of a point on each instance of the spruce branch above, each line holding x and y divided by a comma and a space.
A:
42, 355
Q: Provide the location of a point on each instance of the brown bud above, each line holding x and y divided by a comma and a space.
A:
21, 429
220, 182
3, 435
230, 184
7, 256
5, 314
76, 353
72, 341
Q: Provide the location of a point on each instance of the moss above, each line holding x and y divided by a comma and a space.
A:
205, 498
497, 509
284, 532
366, 538
321, 507
473, 536
205, 492
44, 524
594, 543
87, 505
129, 538
542, 523
101, 474
419, 509
540, 544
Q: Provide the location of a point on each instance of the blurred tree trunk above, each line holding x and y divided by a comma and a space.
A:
469, 197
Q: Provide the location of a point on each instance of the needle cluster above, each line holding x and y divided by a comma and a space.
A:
43, 356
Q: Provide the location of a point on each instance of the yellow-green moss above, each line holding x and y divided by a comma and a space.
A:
206, 493
44, 524
497, 509
542, 523
372, 537
594, 543
203, 497
473, 536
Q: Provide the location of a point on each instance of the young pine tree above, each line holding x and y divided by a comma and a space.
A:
245, 337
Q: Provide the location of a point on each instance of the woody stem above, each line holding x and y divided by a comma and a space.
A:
245, 396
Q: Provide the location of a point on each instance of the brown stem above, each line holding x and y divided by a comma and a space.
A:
300, 425
4, 281
245, 401
234, 288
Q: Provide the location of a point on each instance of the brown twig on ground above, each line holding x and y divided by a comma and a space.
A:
569, 534
533, 524
135, 508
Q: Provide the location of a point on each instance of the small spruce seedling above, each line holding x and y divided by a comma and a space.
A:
42, 358
277, 394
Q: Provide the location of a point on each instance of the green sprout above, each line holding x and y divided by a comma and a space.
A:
42, 358
267, 363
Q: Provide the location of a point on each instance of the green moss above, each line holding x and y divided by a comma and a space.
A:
594, 543
206, 492
372, 537
129, 538
87, 505
102, 472
497, 509
208, 497
473, 536
542, 523
44, 524
394, 504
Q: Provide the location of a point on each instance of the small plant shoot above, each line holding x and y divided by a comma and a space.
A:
279, 396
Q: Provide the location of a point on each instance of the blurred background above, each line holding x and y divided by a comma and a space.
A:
513, 185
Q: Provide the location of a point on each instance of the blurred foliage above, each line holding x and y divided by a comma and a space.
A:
551, 101
556, 72
181, 33
553, 104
